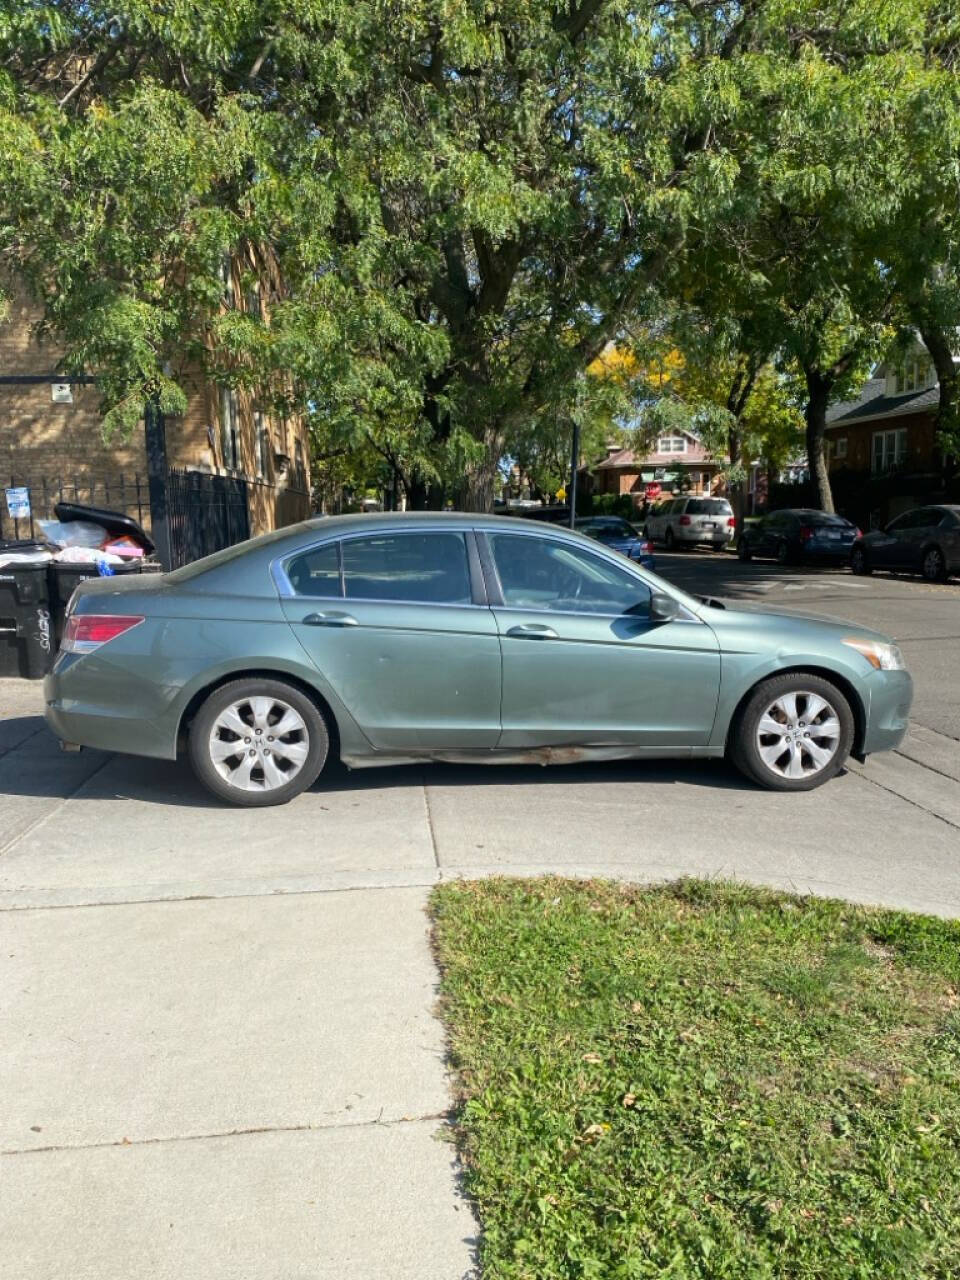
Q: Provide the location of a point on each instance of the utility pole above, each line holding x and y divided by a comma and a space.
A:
155, 440
574, 468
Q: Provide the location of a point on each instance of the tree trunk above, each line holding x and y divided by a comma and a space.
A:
937, 342
818, 397
736, 490
478, 483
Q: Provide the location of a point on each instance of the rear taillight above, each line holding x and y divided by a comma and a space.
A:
806, 533
646, 548
731, 522
684, 520
85, 632
857, 533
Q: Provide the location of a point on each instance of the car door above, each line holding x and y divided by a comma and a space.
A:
890, 547
917, 534
771, 530
584, 663
398, 624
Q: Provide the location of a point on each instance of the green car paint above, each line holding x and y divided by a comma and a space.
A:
405, 681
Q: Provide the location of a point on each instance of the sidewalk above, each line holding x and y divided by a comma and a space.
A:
249, 1087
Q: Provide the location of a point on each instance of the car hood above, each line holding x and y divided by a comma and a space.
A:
794, 631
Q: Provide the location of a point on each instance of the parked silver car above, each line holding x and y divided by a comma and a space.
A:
691, 521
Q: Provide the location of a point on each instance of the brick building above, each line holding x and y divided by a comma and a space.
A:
679, 463
51, 437
886, 438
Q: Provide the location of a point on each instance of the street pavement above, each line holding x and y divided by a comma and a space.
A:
218, 1054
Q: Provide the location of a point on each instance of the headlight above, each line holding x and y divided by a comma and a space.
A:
884, 657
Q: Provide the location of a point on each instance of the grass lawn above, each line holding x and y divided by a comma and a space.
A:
703, 1080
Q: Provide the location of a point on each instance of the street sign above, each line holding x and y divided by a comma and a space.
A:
61, 393
18, 503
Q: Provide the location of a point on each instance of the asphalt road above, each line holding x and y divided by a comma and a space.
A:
922, 618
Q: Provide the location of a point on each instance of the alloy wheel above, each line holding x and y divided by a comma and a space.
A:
933, 564
798, 734
259, 743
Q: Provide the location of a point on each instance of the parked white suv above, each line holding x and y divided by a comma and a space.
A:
689, 521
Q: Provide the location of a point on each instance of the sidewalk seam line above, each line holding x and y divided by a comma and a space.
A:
228, 1133
906, 799
430, 826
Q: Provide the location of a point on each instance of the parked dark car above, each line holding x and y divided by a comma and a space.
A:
798, 534
925, 540
620, 536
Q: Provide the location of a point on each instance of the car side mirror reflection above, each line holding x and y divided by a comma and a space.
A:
663, 608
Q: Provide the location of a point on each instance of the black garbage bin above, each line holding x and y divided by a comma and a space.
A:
27, 643
65, 578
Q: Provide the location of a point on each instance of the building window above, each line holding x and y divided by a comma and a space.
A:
262, 438
840, 447
672, 444
913, 374
889, 450
225, 272
229, 429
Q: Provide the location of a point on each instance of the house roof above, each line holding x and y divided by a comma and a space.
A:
872, 403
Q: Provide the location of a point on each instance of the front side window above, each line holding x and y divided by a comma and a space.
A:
539, 573
417, 568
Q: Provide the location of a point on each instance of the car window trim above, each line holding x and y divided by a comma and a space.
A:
285, 589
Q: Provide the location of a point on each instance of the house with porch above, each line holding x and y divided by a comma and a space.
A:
678, 463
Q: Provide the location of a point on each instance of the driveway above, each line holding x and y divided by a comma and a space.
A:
219, 1053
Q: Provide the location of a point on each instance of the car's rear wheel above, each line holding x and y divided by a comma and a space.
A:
743, 550
793, 733
258, 742
933, 566
859, 562
783, 552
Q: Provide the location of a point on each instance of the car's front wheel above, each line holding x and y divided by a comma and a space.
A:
793, 733
258, 742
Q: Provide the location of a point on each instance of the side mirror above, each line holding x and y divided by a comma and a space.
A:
663, 608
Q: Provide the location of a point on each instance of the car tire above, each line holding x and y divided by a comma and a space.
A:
933, 566
754, 752
669, 541
859, 564
743, 551
302, 751
783, 552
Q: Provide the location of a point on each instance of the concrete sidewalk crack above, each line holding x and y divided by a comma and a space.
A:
430, 826
338, 1126
906, 799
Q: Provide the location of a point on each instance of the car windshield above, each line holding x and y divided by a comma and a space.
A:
608, 529
709, 507
822, 518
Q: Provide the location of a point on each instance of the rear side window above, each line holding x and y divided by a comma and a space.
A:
316, 572
417, 568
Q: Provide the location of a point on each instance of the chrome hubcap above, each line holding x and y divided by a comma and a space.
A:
798, 735
259, 744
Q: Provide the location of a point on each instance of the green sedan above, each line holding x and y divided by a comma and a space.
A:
389, 639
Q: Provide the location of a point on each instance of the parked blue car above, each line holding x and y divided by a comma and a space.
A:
620, 536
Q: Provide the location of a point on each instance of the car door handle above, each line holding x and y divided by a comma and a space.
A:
532, 631
329, 620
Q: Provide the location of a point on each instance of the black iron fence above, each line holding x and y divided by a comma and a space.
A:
126, 493
206, 513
